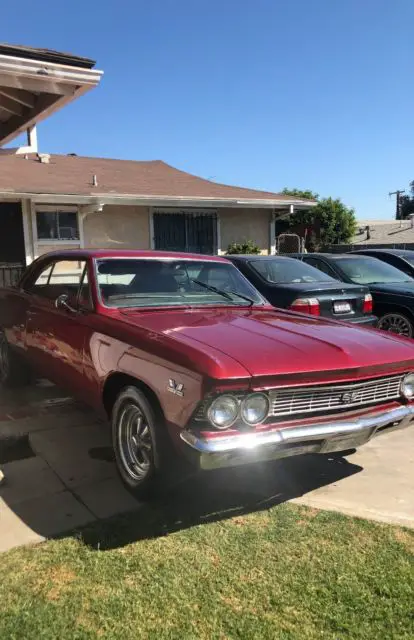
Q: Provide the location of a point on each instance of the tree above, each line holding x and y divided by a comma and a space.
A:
330, 222
298, 193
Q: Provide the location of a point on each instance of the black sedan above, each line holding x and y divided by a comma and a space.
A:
392, 290
402, 259
287, 283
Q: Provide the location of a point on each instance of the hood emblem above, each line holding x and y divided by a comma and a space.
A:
349, 397
175, 387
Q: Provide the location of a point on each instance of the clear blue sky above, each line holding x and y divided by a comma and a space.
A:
312, 94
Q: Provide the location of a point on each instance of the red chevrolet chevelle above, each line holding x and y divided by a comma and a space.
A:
184, 355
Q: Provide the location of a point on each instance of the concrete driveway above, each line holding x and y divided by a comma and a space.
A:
60, 476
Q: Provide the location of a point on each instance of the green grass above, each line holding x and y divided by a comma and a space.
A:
288, 572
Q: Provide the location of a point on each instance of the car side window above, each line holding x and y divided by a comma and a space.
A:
322, 266
61, 277
43, 277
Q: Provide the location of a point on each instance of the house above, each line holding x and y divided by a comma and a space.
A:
59, 201
384, 233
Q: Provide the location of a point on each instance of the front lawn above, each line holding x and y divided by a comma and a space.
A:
287, 572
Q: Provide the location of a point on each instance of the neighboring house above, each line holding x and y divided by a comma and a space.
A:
59, 201
384, 232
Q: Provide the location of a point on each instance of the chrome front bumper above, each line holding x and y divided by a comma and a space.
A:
282, 442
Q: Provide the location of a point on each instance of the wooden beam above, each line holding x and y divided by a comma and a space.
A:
18, 124
38, 85
11, 106
25, 98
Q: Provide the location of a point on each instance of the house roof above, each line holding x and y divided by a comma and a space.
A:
120, 179
46, 55
34, 83
392, 232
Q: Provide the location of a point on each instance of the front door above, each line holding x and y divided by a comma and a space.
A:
12, 249
56, 335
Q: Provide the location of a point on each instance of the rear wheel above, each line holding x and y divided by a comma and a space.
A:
14, 372
397, 323
140, 443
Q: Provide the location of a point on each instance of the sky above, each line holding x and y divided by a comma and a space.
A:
312, 94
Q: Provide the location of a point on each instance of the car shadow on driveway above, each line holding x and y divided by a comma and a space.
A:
61, 480
202, 498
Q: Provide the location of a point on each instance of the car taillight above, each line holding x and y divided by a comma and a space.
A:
367, 308
306, 305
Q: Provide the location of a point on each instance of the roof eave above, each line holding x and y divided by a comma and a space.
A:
57, 85
157, 201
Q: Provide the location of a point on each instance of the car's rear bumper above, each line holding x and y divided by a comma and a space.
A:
283, 442
365, 321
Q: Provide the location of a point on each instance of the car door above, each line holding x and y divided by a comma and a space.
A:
58, 323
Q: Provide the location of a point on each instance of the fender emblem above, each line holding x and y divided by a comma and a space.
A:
176, 388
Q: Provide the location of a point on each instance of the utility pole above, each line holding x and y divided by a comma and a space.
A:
397, 195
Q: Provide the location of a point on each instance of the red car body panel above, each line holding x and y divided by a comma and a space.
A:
206, 349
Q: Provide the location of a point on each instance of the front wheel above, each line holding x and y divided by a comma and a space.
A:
140, 442
397, 323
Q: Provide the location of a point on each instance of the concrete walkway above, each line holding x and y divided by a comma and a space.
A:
60, 476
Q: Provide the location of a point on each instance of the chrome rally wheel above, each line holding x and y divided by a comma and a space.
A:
134, 441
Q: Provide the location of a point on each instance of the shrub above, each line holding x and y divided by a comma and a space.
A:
248, 246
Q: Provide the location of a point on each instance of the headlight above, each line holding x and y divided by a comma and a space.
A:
223, 411
255, 408
407, 386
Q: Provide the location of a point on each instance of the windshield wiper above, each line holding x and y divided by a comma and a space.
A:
225, 294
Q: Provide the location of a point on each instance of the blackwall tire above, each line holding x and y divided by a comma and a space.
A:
141, 444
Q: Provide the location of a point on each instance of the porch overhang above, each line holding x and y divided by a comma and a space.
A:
283, 207
35, 83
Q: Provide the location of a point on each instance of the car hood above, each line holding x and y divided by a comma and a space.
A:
270, 342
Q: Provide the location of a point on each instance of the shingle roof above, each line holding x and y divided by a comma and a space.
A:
384, 232
73, 175
45, 55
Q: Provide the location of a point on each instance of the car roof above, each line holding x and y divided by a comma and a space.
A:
333, 256
245, 257
129, 253
396, 252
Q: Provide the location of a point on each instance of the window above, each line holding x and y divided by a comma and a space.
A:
62, 277
152, 283
367, 270
287, 271
43, 277
57, 225
322, 266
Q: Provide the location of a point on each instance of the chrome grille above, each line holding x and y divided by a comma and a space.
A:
286, 402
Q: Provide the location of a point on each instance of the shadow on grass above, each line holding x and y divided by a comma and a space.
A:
214, 496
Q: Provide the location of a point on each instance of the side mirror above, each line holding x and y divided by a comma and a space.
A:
61, 302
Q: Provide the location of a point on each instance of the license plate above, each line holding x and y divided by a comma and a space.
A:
342, 307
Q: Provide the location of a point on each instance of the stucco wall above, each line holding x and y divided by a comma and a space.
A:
238, 225
120, 227
59, 246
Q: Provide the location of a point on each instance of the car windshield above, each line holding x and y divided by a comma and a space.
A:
288, 271
367, 270
141, 282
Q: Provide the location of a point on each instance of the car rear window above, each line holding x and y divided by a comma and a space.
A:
367, 270
288, 271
